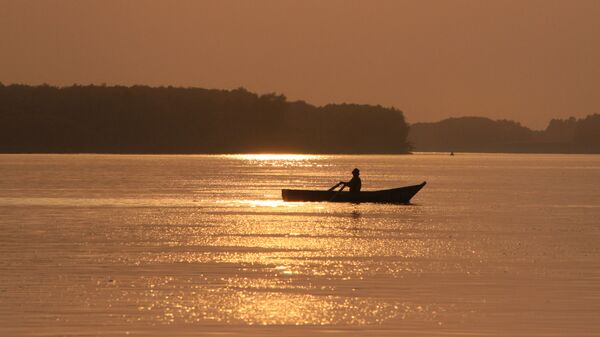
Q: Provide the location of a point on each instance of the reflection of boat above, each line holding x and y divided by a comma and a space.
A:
400, 195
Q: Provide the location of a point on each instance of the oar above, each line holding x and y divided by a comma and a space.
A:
338, 192
334, 187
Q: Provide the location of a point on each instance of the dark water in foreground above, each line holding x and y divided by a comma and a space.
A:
494, 245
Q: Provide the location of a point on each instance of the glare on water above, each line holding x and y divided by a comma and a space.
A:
275, 158
494, 245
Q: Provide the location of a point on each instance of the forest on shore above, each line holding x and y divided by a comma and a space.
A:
142, 119
479, 134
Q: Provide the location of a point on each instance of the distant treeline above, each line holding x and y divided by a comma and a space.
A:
141, 119
478, 134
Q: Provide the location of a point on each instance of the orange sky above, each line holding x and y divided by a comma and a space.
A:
524, 60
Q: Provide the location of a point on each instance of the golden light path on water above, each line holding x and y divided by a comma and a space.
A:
288, 265
273, 157
205, 243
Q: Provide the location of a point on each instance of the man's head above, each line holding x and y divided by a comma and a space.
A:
355, 172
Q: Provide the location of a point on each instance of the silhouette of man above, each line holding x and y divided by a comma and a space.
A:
355, 184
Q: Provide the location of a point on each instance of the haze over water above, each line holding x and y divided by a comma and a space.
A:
495, 245
528, 61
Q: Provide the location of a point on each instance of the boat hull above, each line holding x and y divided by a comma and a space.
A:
401, 195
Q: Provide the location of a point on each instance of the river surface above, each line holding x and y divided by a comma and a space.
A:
113, 245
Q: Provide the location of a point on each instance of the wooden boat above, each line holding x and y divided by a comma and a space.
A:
401, 195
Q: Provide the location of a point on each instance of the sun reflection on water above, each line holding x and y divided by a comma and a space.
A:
266, 262
265, 203
274, 156
281, 160
266, 302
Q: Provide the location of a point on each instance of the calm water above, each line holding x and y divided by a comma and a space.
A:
494, 245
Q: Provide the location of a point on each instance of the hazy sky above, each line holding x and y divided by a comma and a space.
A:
524, 60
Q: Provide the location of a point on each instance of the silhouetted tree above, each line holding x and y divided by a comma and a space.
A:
477, 134
141, 119
587, 134
467, 134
